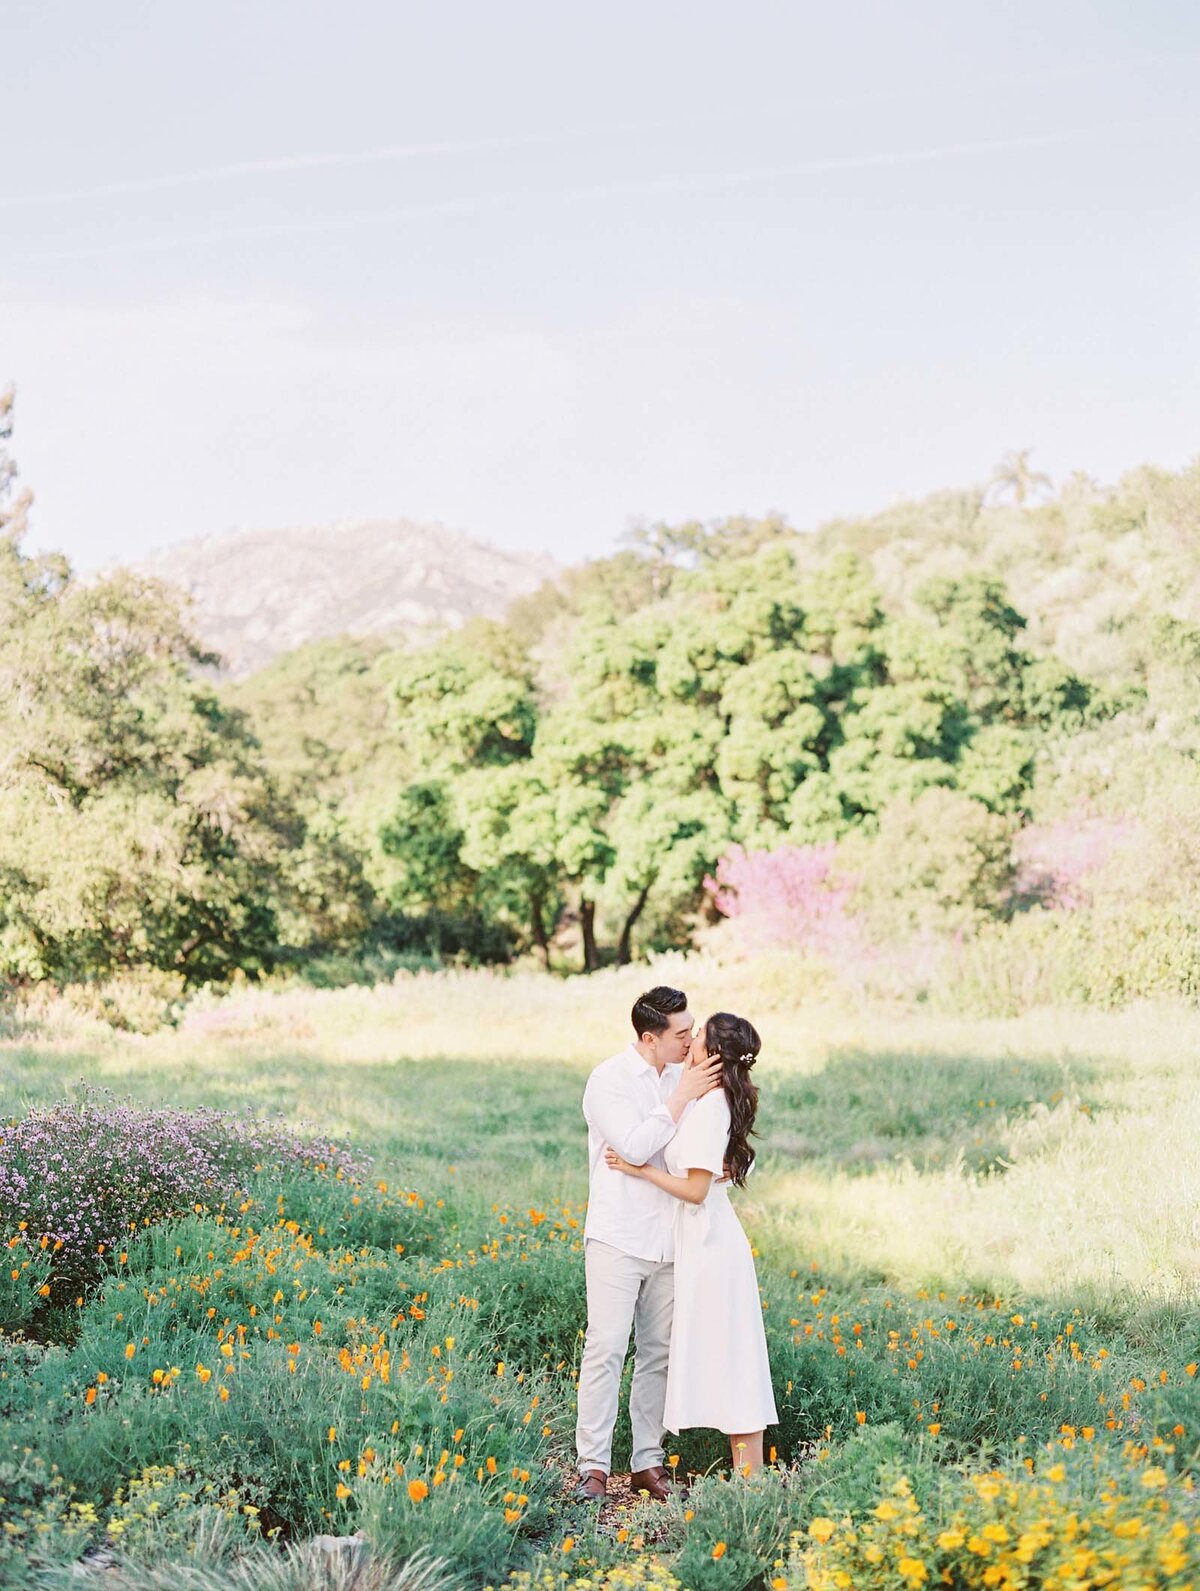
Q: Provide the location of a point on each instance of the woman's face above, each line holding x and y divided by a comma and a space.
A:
699, 1051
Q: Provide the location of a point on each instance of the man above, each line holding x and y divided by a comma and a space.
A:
633, 1101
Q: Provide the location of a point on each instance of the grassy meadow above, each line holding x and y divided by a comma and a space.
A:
978, 1244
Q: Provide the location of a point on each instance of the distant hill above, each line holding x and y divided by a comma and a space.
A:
260, 593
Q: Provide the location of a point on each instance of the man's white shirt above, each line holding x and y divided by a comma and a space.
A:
624, 1105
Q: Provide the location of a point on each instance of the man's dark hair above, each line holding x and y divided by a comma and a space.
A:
652, 1009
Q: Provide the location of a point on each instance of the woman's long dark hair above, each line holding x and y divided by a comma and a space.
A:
737, 1043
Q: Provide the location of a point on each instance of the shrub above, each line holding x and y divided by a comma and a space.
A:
139, 1000
24, 1277
639, 1574
739, 1529
939, 864
1053, 861
85, 1175
1092, 956
158, 1512
1082, 1513
39, 1523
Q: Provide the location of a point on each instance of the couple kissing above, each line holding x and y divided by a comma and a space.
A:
669, 1120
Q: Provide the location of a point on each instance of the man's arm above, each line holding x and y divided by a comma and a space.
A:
635, 1137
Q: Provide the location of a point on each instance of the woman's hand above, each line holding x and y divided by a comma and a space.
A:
614, 1163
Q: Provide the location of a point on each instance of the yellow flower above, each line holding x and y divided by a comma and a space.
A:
343, 1491
719, 1550
130, 1350
568, 1543
913, 1571
1154, 1478
418, 1491
949, 1539
820, 1529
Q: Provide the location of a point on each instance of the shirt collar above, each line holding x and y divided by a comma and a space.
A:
638, 1064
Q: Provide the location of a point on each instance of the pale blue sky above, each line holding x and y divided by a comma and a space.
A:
537, 270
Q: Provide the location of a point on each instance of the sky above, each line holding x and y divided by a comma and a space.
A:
543, 272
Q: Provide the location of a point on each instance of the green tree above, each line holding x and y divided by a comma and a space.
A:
476, 837
137, 823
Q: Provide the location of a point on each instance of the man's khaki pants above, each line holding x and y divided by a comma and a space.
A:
624, 1291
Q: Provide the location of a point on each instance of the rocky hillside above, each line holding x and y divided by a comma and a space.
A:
259, 593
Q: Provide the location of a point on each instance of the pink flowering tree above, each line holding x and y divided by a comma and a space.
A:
789, 898
1055, 860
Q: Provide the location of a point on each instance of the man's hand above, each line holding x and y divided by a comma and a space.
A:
699, 1080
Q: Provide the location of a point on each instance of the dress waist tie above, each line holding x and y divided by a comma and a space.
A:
692, 1219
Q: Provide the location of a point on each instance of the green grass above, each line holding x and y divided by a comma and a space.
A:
915, 1171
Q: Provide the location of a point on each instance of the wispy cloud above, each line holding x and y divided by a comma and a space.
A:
389, 154
482, 203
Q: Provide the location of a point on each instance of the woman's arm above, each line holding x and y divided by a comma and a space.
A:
692, 1189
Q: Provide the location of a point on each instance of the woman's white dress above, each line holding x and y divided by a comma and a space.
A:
717, 1375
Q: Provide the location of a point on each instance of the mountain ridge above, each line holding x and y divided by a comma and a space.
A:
257, 593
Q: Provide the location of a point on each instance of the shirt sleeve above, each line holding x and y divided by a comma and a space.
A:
610, 1111
707, 1136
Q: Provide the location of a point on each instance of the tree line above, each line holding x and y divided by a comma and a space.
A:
563, 783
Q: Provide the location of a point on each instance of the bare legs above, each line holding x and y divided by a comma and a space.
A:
747, 1452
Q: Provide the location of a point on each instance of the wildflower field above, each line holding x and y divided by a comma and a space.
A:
310, 1265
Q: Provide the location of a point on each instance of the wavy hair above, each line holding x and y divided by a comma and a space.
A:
737, 1043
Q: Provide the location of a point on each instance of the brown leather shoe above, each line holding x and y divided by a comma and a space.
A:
592, 1487
656, 1481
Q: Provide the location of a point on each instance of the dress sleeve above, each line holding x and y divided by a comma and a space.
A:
704, 1137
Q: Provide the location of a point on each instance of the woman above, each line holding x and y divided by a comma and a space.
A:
718, 1375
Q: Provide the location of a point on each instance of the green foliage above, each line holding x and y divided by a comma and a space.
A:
939, 864
139, 826
743, 698
915, 687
